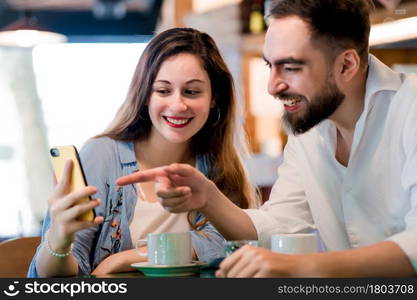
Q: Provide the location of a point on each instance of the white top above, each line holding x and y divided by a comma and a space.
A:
152, 217
375, 197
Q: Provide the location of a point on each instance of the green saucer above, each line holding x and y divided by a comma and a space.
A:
168, 270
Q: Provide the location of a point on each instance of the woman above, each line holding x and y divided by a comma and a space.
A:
180, 108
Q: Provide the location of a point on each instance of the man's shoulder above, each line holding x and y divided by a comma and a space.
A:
410, 82
406, 95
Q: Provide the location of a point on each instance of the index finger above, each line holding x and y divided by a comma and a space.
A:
142, 176
62, 186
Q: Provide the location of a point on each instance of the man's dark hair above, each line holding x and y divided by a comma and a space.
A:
336, 25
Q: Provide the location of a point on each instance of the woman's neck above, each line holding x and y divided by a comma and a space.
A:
155, 152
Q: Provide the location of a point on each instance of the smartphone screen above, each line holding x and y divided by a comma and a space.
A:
59, 155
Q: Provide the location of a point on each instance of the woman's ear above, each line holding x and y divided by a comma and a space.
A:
213, 103
348, 65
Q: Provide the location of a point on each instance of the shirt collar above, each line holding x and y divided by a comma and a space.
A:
380, 78
126, 152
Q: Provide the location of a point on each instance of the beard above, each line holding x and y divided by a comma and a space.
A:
321, 106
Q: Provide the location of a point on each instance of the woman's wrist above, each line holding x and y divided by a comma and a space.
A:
56, 244
57, 254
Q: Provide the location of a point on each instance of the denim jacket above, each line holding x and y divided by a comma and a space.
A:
104, 160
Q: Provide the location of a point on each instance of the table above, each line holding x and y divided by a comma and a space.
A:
204, 273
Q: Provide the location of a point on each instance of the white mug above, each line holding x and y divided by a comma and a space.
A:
172, 248
295, 243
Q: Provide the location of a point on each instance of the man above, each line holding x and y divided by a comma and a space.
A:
350, 167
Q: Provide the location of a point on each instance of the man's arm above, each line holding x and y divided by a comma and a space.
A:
182, 188
384, 259
228, 218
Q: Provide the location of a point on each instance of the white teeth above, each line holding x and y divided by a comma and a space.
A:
290, 102
177, 122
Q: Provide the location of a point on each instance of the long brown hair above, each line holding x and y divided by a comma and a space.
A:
215, 142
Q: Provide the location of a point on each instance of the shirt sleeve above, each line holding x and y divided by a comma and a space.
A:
208, 243
33, 272
287, 210
407, 239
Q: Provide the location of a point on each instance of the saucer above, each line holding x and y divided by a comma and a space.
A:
169, 270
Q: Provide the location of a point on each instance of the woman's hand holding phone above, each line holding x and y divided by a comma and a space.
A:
65, 210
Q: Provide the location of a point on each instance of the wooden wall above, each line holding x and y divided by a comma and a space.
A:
396, 56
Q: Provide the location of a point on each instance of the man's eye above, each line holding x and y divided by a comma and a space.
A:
268, 64
292, 69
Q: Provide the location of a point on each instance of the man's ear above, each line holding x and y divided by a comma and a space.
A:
347, 65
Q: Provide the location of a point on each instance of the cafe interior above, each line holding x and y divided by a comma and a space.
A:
66, 66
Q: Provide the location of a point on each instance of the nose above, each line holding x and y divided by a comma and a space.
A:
276, 84
178, 104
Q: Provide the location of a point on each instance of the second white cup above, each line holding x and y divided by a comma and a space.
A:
296, 243
172, 248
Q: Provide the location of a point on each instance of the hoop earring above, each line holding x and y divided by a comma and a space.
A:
218, 118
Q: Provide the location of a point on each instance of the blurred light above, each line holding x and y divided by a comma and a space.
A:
202, 6
394, 31
109, 9
26, 32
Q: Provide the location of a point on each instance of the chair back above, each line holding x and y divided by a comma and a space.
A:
16, 255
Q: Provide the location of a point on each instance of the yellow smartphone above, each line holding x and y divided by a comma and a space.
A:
59, 155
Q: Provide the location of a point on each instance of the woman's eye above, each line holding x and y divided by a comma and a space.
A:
162, 91
192, 92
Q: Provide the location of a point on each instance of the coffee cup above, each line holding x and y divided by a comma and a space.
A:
295, 243
173, 248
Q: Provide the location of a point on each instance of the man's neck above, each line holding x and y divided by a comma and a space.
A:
346, 116
348, 113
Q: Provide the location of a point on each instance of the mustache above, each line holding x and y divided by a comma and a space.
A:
290, 96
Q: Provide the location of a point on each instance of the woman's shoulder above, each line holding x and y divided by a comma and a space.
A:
100, 142
107, 151
99, 149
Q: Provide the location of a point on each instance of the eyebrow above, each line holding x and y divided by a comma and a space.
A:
189, 81
195, 80
286, 60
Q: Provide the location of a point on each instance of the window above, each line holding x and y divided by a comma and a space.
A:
80, 87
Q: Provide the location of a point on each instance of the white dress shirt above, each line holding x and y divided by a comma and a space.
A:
371, 200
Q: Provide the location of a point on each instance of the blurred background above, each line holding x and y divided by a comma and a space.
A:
65, 66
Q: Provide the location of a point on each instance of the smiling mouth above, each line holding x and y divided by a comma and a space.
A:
177, 122
290, 102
